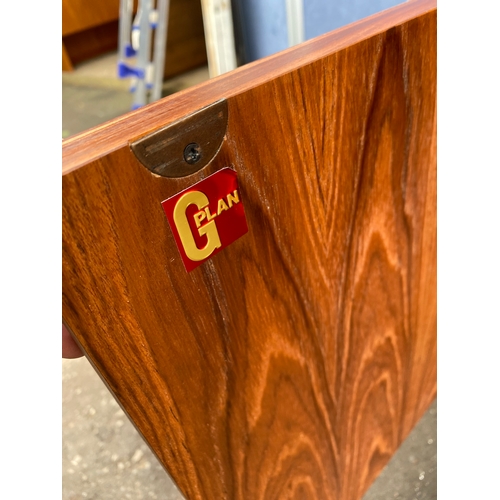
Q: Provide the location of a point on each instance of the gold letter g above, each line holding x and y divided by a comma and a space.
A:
213, 241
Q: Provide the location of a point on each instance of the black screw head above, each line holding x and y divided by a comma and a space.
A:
192, 153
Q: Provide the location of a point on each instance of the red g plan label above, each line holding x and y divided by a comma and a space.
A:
206, 217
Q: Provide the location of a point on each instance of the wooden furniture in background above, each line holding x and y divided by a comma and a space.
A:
90, 29
293, 363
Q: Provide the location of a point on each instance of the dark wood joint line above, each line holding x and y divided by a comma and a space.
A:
186, 146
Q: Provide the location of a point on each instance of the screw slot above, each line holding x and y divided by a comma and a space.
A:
192, 153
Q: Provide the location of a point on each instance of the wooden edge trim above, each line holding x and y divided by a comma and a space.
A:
103, 139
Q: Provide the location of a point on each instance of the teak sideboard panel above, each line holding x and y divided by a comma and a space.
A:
294, 362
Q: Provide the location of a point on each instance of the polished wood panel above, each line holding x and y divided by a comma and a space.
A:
294, 362
79, 150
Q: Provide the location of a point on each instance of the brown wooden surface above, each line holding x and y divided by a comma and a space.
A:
79, 15
66, 61
185, 36
293, 363
93, 42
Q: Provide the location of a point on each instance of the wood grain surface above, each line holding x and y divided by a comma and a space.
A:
293, 363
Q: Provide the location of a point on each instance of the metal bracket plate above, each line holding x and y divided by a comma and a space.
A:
186, 146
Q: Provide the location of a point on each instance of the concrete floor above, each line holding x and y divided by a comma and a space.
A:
104, 458
92, 94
